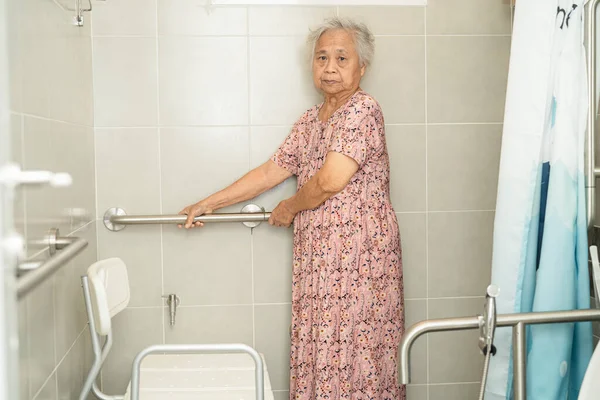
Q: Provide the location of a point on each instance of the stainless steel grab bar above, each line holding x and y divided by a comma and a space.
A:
115, 219
35, 277
516, 321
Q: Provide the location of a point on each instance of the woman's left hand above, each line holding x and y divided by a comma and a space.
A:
281, 215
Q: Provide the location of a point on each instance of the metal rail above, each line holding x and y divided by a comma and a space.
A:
115, 219
35, 277
516, 321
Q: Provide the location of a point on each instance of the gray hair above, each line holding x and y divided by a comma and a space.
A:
364, 41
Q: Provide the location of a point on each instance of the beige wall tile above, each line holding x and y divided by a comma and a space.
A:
134, 329
232, 324
281, 395
466, 391
277, 21
24, 376
194, 17
273, 340
264, 142
15, 34
468, 17
208, 266
454, 356
127, 17
41, 335
397, 78
73, 370
125, 82
407, 151
413, 233
49, 207
414, 392
55, 84
128, 170
466, 78
392, 20
70, 88
463, 165
197, 162
140, 249
69, 306
203, 81
460, 253
281, 86
16, 156
48, 392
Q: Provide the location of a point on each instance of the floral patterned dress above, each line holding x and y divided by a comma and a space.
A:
347, 295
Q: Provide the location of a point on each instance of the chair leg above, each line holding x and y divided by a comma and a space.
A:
99, 353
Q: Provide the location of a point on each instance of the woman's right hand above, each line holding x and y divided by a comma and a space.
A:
193, 211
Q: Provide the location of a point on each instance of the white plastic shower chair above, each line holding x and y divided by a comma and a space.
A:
168, 371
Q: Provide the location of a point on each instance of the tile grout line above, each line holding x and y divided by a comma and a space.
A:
47, 119
426, 196
92, 36
287, 126
470, 297
160, 194
471, 35
249, 121
24, 192
94, 123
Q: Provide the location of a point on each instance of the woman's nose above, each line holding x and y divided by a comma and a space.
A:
330, 67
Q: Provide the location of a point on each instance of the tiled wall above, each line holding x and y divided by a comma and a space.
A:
52, 121
188, 99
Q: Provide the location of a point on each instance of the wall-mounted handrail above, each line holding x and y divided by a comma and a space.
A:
516, 321
35, 277
180, 219
591, 172
252, 215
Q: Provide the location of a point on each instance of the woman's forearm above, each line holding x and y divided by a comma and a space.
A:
314, 193
253, 184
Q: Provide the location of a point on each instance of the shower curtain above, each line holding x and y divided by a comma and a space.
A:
540, 235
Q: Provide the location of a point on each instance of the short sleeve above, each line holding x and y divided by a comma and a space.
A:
359, 134
287, 156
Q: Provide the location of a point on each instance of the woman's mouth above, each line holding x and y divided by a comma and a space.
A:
329, 82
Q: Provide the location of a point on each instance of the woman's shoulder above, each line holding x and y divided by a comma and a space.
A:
361, 106
308, 116
365, 102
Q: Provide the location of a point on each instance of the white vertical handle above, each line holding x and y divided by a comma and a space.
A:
11, 176
14, 245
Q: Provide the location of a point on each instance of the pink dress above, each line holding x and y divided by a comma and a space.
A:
347, 294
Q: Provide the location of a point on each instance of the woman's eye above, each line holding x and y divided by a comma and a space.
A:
322, 58
342, 58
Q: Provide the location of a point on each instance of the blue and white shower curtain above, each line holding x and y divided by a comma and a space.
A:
540, 233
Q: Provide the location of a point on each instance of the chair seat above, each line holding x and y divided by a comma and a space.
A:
199, 377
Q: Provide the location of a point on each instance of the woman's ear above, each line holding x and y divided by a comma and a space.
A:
362, 70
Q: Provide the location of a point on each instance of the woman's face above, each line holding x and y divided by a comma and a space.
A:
336, 67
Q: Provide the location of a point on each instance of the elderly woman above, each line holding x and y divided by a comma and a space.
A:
347, 296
